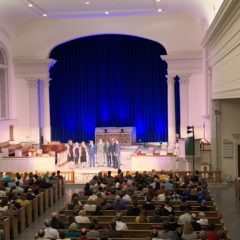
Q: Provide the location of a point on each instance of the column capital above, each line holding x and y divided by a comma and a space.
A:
32, 82
46, 82
170, 78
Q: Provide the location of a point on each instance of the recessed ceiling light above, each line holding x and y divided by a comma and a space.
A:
107, 12
44, 15
158, 0
30, 5
87, 3
159, 10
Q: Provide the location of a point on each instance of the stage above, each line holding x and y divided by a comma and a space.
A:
131, 159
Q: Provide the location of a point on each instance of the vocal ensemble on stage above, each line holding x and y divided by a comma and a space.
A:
94, 155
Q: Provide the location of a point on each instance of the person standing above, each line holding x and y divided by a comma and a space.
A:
107, 153
100, 153
112, 151
91, 153
117, 154
76, 153
70, 146
83, 154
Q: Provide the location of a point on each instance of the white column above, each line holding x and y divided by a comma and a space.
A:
46, 112
32, 84
184, 114
171, 111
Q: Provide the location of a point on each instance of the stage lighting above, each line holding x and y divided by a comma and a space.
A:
105, 130
122, 130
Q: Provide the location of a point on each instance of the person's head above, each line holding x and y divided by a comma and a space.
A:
41, 232
83, 232
73, 227
154, 233
113, 225
54, 215
118, 216
82, 213
187, 228
201, 215
47, 223
179, 231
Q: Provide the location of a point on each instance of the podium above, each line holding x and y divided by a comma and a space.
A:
125, 135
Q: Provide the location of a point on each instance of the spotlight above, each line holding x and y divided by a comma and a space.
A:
105, 130
122, 130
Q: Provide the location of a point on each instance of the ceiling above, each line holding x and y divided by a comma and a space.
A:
18, 11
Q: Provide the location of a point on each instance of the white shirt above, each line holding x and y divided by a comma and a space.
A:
51, 233
121, 226
184, 218
82, 219
89, 207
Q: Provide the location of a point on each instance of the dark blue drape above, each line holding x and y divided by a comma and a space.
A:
177, 104
108, 80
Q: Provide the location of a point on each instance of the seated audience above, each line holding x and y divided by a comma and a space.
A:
120, 225
72, 231
113, 232
49, 231
40, 234
134, 210
92, 233
142, 218
165, 233
55, 223
185, 218
82, 218
203, 221
188, 232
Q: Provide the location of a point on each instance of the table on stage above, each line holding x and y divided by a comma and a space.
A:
149, 162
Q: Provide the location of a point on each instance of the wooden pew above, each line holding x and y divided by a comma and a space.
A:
29, 213
14, 227
22, 219
40, 203
50, 196
6, 228
35, 203
55, 188
150, 213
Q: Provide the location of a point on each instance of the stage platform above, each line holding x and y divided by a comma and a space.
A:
132, 158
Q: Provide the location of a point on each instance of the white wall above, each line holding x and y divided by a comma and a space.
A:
195, 104
230, 119
37, 38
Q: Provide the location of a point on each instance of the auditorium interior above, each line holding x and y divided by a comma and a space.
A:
161, 77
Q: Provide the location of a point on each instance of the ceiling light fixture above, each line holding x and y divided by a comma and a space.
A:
44, 15
87, 3
106, 12
159, 10
158, 0
30, 5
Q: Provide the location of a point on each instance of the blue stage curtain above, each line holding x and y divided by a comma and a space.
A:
105, 81
177, 104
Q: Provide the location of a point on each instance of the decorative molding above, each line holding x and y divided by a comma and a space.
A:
184, 63
32, 83
25, 68
221, 21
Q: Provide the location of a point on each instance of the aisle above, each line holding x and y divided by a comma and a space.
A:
30, 231
229, 206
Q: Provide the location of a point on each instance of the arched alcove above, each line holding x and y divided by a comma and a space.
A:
108, 80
